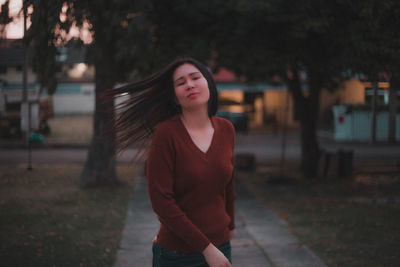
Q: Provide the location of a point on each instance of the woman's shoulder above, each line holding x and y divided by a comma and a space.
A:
224, 124
226, 128
166, 128
168, 124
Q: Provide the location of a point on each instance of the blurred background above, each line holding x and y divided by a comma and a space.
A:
312, 88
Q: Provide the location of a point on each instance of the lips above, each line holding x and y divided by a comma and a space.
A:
192, 95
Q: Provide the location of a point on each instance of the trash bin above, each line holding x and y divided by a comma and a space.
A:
36, 138
245, 161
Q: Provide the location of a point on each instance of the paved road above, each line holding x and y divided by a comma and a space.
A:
262, 239
269, 146
266, 147
57, 155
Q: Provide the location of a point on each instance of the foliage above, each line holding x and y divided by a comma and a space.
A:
373, 46
122, 23
258, 39
43, 36
188, 28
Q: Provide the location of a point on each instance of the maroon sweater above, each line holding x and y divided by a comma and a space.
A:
192, 192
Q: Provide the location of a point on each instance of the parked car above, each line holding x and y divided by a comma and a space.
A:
238, 119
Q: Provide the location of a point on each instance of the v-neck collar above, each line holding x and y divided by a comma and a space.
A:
190, 141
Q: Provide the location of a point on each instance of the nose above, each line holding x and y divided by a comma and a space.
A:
189, 85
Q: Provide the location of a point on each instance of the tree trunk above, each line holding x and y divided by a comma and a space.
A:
309, 120
99, 168
309, 143
308, 113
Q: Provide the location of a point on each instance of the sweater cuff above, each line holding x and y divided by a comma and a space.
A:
203, 246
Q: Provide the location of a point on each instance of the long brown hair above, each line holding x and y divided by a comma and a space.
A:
149, 102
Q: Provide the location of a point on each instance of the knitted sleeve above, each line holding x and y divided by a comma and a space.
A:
230, 192
160, 174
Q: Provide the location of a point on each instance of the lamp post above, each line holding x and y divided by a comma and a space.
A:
284, 132
25, 95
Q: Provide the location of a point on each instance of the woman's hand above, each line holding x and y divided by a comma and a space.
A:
214, 257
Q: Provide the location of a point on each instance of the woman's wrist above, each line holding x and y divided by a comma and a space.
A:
207, 249
214, 257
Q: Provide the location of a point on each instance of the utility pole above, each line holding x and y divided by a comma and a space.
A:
284, 132
374, 109
392, 110
25, 95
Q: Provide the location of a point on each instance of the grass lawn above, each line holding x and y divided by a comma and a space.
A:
65, 130
346, 222
47, 220
70, 129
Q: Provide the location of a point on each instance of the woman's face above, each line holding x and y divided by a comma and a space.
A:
191, 87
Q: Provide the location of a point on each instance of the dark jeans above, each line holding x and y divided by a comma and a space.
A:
163, 257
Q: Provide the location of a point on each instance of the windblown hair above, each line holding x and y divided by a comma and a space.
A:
150, 102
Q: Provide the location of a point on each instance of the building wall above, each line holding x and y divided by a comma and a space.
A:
279, 107
235, 95
74, 99
353, 92
73, 104
350, 92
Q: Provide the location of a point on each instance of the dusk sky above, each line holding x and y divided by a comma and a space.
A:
15, 28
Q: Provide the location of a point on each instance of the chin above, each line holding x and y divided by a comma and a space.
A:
196, 105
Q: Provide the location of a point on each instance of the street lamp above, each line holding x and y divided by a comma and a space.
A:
26, 107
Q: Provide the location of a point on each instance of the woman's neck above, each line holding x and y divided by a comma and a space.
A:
196, 119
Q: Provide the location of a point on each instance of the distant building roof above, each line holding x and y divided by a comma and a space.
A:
224, 75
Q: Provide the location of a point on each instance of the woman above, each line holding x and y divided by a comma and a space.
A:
189, 165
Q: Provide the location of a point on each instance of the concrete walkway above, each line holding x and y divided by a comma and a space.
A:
262, 239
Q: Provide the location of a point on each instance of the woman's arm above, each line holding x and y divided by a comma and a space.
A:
230, 203
230, 192
159, 172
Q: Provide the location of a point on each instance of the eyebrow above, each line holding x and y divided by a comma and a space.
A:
189, 75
